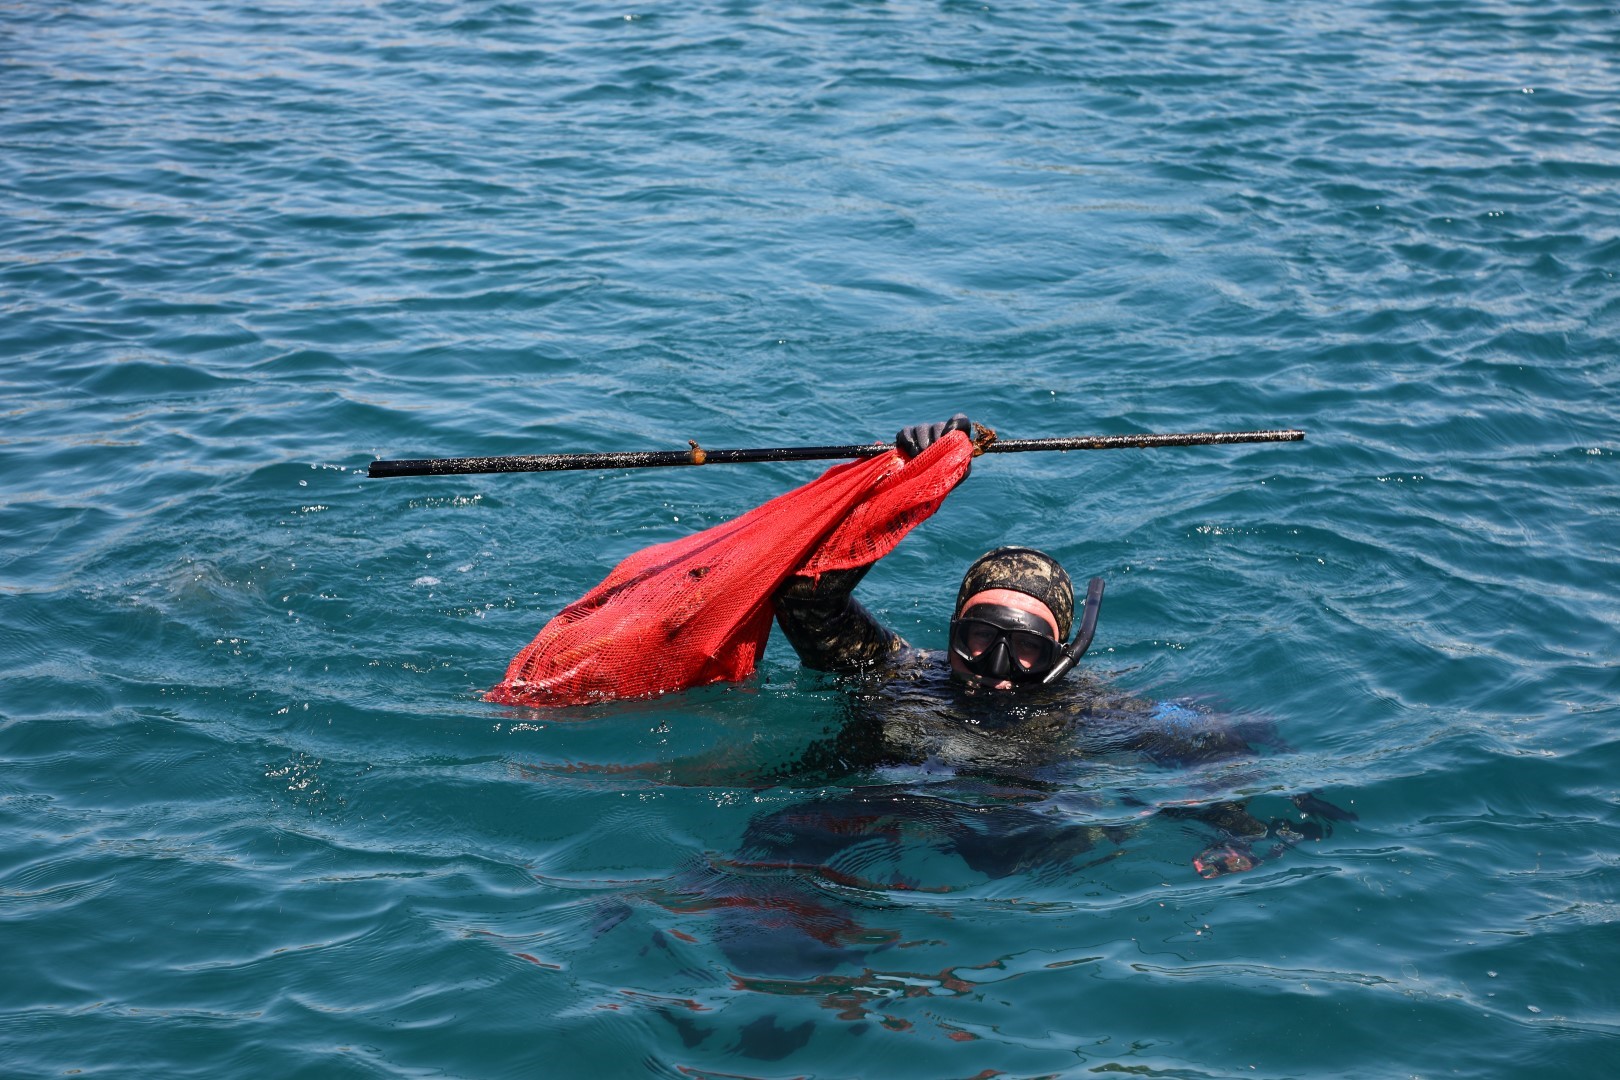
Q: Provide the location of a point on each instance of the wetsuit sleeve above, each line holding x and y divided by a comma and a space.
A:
828, 627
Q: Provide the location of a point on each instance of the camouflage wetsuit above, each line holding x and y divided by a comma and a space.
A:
905, 708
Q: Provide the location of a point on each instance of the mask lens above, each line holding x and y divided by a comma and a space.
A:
975, 641
1029, 652
978, 637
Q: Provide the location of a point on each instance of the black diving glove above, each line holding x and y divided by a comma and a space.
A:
915, 439
1237, 854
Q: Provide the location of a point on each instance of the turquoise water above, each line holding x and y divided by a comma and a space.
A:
254, 818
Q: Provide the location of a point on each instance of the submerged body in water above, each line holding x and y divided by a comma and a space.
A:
910, 707
912, 721
930, 789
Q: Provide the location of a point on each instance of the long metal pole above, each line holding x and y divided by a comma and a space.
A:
649, 459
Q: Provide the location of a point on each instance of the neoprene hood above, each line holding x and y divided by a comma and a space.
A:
1023, 570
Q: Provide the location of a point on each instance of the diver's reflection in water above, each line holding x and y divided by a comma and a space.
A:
807, 904
820, 895
812, 902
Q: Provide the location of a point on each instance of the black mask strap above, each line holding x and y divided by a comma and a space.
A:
1071, 653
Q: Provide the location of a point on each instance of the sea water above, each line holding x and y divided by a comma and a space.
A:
255, 819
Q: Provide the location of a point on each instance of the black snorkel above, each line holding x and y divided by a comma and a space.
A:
1070, 654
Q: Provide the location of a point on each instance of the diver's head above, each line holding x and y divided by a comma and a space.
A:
1012, 618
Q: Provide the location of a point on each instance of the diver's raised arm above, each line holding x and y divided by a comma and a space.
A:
828, 627
818, 613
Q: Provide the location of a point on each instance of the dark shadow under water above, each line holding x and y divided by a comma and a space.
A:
815, 900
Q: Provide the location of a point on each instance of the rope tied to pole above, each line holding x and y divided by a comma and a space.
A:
983, 438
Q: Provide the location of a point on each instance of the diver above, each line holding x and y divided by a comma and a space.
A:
985, 753
997, 704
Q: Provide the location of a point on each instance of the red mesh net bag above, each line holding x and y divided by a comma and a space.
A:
698, 610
